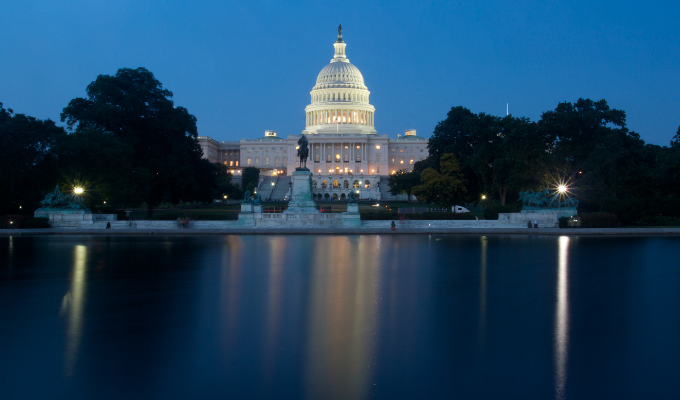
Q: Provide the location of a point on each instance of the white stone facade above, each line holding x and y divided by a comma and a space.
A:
344, 146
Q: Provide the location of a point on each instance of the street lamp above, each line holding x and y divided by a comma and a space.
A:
562, 189
483, 197
78, 190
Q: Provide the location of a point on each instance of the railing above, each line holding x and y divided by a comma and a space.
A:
273, 210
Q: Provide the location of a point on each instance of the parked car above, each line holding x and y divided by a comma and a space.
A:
459, 209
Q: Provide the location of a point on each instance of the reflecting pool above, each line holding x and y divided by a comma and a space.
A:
339, 317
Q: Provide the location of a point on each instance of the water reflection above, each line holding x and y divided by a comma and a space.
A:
73, 305
482, 290
342, 317
561, 346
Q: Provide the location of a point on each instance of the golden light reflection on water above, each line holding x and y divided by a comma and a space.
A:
341, 331
561, 346
232, 260
72, 304
277, 255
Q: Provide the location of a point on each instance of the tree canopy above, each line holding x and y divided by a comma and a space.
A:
585, 144
403, 182
28, 165
157, 139
445, 188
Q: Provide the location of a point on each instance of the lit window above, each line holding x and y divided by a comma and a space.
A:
249, 160
236, 163
231, 163
358, 147
401, 150
266, 161
249, 150
225, 163
346, 147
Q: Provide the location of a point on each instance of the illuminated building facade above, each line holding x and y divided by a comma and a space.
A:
345, 150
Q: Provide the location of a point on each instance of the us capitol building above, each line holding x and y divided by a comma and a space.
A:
345, 150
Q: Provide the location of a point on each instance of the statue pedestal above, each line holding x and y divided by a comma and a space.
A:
301, 201
250, 214
351, 218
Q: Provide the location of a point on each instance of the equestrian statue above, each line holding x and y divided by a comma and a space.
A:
303, 152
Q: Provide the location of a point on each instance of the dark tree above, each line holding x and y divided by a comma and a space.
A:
403, 181
457, 135
27, 160
133, 107
445, 188
251, 175
592, 144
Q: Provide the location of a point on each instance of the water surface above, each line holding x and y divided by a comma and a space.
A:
339, 317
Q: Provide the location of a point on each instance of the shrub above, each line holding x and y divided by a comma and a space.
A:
34, 223
563, 222
658, 220
490, 213
599, 220
196, 216
23, 222
379, 215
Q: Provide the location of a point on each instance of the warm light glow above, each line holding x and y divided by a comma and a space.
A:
562, 189
104, 203
483, 197
225, 196
273, 183
78, 190
377, 146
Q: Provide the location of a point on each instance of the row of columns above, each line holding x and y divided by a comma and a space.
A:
323, 148
340, 116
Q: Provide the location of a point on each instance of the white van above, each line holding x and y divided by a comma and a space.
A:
459, 209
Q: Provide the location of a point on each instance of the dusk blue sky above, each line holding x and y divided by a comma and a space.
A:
244, 67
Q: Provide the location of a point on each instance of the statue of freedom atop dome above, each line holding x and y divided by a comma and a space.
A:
303, 152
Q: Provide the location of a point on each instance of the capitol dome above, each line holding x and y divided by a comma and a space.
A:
339, 100
341, 73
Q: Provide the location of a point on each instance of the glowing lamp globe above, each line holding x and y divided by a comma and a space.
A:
78, 190
562, 189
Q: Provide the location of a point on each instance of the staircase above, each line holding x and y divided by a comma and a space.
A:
281, 188
267, 187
